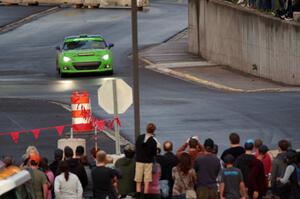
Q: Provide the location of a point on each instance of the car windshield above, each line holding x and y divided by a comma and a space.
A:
84, 44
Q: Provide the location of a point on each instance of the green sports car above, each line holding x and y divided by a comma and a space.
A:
84, 54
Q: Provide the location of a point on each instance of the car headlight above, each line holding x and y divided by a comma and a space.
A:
105, 57
67, 59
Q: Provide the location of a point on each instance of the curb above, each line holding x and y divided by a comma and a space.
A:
27, 19
211, 84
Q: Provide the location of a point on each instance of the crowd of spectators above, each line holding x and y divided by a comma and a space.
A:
283, 9
193, 171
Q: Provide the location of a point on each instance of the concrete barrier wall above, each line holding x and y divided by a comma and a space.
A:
245, 39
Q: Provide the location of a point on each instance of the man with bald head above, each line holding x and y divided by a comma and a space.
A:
171, 161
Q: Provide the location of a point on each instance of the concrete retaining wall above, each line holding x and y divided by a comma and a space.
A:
94, 3
245, 39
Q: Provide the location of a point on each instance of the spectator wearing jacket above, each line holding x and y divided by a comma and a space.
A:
235, 148
278, 169
146, 150
75, 166
171, 161
58, 156
126, 166
290, 175
264, 156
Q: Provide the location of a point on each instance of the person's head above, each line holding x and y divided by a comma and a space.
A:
34, 160
79, 151
234, 138
30, 150
249, 145
193, 143
84, 160
101, 157
64, 168
44, 164
283, 145
94, 152
184, 162
8, 161
228, 160
68, 152
168, 146
258, 143
129, 151
58, 154
291, 156
209, 145
151, 128
263, 149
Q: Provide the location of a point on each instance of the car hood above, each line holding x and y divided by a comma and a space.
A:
85, 53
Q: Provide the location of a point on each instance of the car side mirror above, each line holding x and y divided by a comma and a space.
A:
110, 45
57, 48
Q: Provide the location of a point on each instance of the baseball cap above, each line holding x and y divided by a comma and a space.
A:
209, 143
35, 157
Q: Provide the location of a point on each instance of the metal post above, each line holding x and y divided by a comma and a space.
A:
96, 139
71, 134
135, 68
117, 131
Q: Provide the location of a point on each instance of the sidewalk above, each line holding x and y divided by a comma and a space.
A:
172, 58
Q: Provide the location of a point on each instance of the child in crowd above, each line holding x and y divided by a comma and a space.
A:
232, 184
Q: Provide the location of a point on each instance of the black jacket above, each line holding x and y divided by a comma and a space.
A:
145, 151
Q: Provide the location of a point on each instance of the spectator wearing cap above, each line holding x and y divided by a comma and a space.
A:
264, 156
58, 156
194, 148
126, 166
235, 148
146, 150
79, 152
244, 160
290, 175
67, 185
39, 179
75, 166
232, 184
278, 169
207, 168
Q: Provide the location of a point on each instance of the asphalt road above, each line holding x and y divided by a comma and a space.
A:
180, 109
13, 13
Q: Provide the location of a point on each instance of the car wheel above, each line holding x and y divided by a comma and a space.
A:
60, 74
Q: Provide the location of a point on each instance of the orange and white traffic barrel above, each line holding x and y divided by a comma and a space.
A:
81, 112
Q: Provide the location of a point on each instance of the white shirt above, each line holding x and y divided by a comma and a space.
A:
70, 189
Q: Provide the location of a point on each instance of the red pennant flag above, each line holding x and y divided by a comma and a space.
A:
15, 136
116, 119
59, 130
100, 125
36, 133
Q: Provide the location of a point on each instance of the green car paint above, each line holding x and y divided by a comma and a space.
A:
84, 54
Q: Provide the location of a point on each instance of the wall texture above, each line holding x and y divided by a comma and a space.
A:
245, 39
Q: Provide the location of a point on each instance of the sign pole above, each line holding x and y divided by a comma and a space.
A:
117, 130
135, 68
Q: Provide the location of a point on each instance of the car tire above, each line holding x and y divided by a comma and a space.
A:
60, 74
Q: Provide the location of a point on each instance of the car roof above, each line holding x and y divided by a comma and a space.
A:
82, 36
